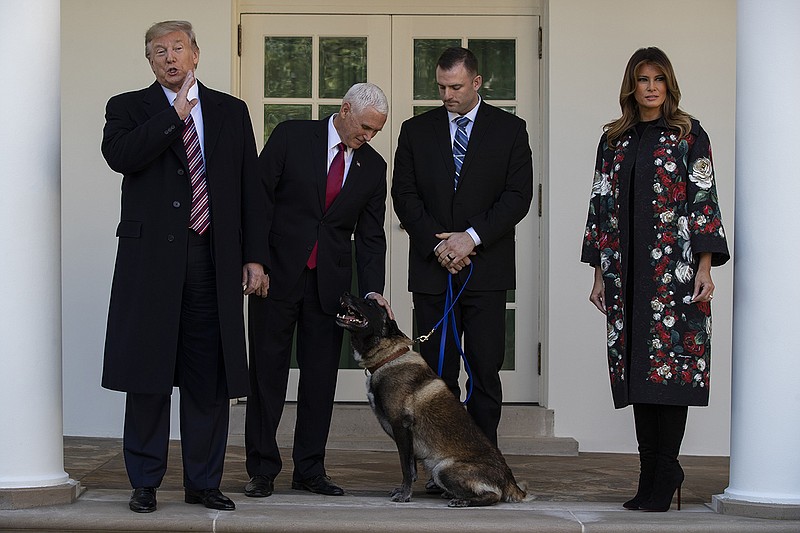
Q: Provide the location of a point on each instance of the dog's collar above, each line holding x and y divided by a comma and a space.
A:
392, 357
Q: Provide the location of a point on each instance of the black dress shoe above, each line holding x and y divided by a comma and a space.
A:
143, 500
211, 498
259, 487
318, 484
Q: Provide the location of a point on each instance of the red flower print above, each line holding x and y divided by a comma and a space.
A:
704, 307
678, 192
691, 345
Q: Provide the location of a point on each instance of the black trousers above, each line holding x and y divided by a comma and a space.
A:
200, 376
481, 317
271, 325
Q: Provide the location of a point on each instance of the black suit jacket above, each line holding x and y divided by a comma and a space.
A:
142, 140
494, 193
293, 170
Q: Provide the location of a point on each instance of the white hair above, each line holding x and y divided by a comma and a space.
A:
363, 95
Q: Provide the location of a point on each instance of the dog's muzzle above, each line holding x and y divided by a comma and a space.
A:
351, 318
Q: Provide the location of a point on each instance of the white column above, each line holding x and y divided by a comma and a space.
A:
31, 446
765, 410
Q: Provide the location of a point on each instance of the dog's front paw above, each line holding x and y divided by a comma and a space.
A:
401, 495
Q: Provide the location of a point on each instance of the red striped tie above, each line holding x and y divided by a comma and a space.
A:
200, 217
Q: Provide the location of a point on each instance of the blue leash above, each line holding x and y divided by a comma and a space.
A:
449, 317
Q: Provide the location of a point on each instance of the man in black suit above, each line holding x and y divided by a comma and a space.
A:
188, 249
459, 195
323, 184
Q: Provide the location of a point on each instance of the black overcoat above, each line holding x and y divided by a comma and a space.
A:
653, 210
142, 140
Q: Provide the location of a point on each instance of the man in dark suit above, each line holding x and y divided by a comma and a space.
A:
323, 185
188, 249
463, 179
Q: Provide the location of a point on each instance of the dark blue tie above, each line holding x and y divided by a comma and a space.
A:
460, 146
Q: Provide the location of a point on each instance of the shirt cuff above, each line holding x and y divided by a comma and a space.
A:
474, 235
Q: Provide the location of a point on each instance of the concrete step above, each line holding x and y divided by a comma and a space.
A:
524, 430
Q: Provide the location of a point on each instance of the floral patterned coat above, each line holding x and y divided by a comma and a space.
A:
653, 209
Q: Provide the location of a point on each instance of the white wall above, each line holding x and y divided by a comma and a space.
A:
589, 44
102, 55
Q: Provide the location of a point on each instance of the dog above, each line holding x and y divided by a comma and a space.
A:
422, 416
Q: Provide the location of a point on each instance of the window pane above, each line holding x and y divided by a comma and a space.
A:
497, 64
287, 67
342, 62
274, 114
326, 110
420, 109
426, 53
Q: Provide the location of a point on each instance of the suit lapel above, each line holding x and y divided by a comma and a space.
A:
319, 159
213, 116
482, 123
354, 175
441, 127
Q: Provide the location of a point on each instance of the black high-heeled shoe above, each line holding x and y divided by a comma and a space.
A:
663, 492
643, 492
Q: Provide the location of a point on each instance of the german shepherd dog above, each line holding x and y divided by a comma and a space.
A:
422, 416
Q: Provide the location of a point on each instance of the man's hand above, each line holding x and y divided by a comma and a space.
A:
383, 302
454, 252
254, 280
183, 106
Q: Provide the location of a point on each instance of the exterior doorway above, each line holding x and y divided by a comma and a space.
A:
299, 66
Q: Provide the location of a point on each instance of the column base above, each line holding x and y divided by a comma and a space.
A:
25, 498
724, 504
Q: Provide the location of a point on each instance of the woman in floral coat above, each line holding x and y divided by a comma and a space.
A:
653, 232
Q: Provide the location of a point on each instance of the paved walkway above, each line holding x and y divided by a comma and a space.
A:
573, 494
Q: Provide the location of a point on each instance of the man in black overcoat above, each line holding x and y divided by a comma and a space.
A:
188, 250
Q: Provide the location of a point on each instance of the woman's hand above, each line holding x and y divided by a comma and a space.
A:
598, 295
703, 285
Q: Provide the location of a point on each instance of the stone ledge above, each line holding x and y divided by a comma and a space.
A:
723, 504
26, 498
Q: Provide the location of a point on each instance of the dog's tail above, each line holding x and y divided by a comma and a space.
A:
515, 493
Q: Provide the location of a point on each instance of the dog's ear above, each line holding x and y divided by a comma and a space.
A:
392, 329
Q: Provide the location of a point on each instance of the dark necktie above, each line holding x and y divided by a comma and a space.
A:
200, 216
332, 189
460, 146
